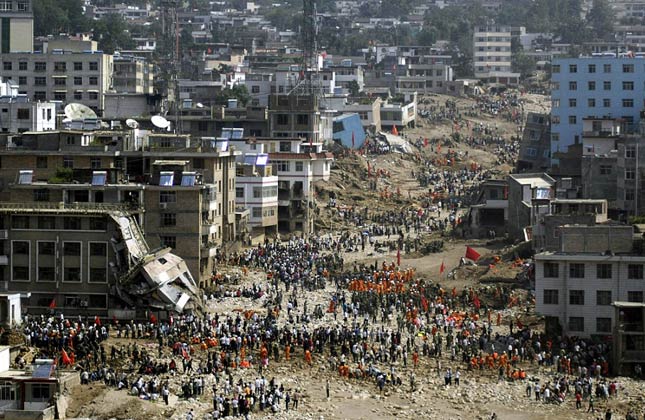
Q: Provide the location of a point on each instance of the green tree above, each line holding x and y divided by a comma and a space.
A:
112, 34
601, 19
238, 92
354, 88
523, 64
52, 17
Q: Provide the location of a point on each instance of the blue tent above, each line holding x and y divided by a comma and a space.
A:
344, 126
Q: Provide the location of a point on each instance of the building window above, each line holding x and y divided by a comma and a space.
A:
555, 103
282, 165
606, 85
40, 392
603, 271
46, 248
20, 247
630, 173
94, 66
72, 274
573, 68
23, 114
94, 80
302, 119
94, 96
282, 119
168, 219
20, 222
551, 270
635, 271
605, 169
255, 89
555, 68
573, 102
573, 119
98, 223
71, 223
606, 103
285, 146
46, 222
299, 166
22, 66
591, 85
60, 81
98, 249
40, 81
573, 85
40, 66
603, 325
78, 80
78, 66
256, 212
628, 68
576, 297
576, 323
239, 192
68, 162
20, 273
591, 103
7, 65
630, 152
576, 270
98, 275
628, 103
628, 85
46, 274
78, 95
167, 196
72, 249
551, 296
603, 297
60, 96
168, 241
592, 68
635, 296
60, 66
555, 119
41, 195
606, 68
629, 195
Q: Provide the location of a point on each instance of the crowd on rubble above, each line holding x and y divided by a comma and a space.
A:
385, 322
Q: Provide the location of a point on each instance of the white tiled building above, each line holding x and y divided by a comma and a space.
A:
492, 55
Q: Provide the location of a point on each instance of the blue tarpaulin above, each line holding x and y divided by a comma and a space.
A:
344, 126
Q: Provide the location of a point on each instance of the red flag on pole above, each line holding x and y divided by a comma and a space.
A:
66, 360
52, 304
153, 318
442, 268
398, 257
471, 254
353, 140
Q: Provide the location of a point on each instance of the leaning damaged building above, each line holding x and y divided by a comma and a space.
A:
120, 223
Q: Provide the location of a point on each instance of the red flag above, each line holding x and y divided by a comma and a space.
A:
398, 257
52, 304
66, 360
153, 318
97, 320
471, 254
442, 268
353, 140
476, 302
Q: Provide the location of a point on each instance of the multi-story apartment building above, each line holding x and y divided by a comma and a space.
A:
132, 75
62, 76
535, 147
256, 189
17, 26
259, 87
492, 55
294, 116
597, 86
18, 114
576, 286
182, 189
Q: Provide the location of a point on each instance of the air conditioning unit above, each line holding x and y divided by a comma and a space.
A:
163, 206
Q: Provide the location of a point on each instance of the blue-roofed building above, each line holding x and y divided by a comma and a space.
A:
596, 86
344, 126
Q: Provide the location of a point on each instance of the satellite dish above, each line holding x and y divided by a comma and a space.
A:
160, 122
199, 105
79, 112
132, 123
